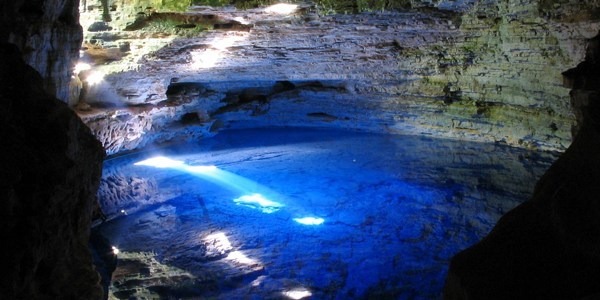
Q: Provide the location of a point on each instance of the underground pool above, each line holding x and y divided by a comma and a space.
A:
304, 213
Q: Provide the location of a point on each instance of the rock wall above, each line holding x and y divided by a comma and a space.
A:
548, 247
51, 167
51, 164
49, 37
476, 70
507, 69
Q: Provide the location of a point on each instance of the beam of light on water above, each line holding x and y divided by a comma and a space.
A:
258, 201
210, 173
241, 258
299, 293
248, 188
224, 178
160, 162
217, 244
201, 169
309, 221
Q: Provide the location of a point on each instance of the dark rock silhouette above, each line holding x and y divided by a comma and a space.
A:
548, 247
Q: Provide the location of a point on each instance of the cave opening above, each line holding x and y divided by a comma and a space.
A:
317, 162
313, 149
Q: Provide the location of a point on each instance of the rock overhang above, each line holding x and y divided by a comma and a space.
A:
457, 73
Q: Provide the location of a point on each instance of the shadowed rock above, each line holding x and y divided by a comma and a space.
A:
548, 247
51, 166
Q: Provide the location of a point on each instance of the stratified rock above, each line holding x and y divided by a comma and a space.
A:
49, 37
548, 247
51, 167
473, 70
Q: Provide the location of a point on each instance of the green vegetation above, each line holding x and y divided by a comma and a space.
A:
241, 4
173, 27
175, 5
213, 3
326, 7
380, 5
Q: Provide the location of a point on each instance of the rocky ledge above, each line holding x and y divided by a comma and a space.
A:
476, 71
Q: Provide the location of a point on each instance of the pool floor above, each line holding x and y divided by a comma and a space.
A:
305, 213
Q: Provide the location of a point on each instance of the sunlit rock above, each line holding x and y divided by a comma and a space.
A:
282, 8
472, 71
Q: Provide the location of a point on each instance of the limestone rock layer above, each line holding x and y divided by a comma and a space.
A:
476, 70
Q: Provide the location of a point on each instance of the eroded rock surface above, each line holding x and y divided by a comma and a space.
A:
487, 71
49, 36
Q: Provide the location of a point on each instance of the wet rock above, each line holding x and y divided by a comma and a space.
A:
133, 127
142, 275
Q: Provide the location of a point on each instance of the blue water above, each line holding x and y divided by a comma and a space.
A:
305, 214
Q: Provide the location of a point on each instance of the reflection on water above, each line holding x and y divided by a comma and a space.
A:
298, 214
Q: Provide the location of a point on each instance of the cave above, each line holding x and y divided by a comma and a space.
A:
326, 149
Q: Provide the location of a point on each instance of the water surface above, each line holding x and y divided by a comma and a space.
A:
305, 214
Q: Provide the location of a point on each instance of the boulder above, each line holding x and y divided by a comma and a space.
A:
51, 167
